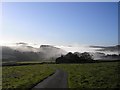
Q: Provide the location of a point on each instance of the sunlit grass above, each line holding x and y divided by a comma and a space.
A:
90, 75
95, 75
24, 76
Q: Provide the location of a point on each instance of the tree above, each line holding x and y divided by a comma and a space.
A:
86, 56
74, 58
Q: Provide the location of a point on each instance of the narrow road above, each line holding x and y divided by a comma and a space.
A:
57, 80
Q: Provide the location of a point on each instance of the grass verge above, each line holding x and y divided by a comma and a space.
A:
93, 75
24, 76
89, 75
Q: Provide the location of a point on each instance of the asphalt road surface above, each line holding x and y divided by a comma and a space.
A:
57, 80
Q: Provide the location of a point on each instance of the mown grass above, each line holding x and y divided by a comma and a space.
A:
90, 75
94, 75
24, 76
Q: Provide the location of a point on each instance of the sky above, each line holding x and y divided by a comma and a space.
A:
60, 23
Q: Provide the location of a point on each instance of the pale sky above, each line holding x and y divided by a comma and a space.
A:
60, 23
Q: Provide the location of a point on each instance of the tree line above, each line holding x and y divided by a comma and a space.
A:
75, 58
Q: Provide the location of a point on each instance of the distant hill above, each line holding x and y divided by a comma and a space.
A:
28, 53
24, 52
51, 51
108, 48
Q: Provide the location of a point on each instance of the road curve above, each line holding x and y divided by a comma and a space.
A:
57, 80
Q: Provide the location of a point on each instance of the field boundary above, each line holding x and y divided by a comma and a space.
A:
22, 64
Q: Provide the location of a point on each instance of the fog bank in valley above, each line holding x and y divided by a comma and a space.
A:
46, 52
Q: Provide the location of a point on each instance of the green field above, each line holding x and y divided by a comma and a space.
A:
96, 75
24, 76
91, 75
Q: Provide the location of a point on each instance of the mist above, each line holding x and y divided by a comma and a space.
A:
54, 51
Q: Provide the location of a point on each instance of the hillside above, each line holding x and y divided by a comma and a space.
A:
28, 53
25, 52
107, 48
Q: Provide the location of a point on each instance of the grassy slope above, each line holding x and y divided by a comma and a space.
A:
24, 76
94, 75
